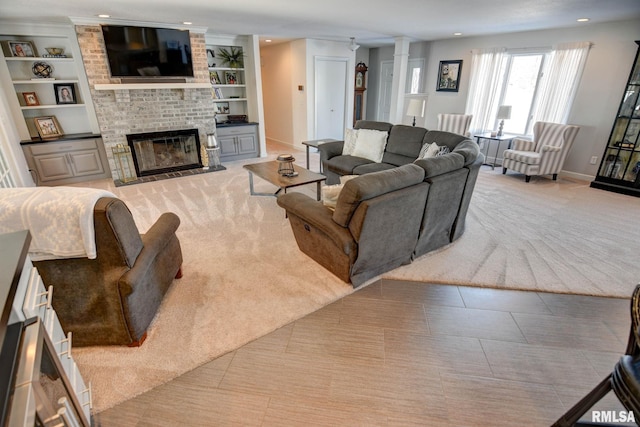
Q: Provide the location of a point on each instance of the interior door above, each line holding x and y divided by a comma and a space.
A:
331, 97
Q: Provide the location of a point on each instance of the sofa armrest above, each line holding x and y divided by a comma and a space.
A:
434, 166
154, 241
330, 149
316, 215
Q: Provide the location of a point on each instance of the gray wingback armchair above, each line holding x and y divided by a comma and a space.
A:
112, 299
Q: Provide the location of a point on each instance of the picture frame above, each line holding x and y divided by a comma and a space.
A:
30, 99
23, 49
215, 78
65, 93
449, 76
48, 127
231, 77
222, 108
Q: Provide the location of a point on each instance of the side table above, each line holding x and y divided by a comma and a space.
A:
314, 143
488, 137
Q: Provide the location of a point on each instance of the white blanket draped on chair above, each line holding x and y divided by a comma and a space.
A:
60, 219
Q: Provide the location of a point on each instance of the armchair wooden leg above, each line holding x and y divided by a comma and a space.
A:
504, 171
139, 342
179, 273
527, 178
555, 176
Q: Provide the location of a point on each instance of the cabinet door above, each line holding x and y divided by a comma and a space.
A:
86, 162
51, 167
227, 146
247, 144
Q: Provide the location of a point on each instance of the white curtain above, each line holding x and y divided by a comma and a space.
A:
560, 82
487, 71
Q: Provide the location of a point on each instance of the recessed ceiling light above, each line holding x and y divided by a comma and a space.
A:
187, 23
102, 15
583, 19
457, 34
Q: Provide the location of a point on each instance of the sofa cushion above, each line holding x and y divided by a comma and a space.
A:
371, 185
330, 193
428, 150
372, 167
350, 136
370, 144
344, 165
406, 140
372, 124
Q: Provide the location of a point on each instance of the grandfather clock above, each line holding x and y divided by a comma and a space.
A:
358, 104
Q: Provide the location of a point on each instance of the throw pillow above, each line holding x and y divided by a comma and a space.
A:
350, 136
442, 150
370, 144
428, 150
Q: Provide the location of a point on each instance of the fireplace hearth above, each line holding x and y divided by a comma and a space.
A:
157, 153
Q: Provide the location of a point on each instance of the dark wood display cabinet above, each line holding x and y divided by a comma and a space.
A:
619, 169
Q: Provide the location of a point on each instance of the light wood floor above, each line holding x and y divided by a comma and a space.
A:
402, 354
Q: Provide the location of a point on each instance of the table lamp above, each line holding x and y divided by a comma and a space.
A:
415, 108
504, 113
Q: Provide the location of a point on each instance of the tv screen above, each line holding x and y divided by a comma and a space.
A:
147, 52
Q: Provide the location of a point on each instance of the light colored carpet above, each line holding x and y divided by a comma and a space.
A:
244, 275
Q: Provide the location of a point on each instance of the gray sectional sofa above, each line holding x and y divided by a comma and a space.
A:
396, 210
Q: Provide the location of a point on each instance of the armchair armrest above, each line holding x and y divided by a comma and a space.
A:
551, 148
316, 215
154, 241
520, 144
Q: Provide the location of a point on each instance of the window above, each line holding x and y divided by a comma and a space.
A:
540, 85
522, 77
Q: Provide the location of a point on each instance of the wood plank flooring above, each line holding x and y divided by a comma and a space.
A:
404, 354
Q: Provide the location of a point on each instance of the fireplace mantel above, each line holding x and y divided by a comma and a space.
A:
142, 86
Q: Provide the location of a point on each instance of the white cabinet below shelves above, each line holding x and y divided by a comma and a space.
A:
65, 162
238, 142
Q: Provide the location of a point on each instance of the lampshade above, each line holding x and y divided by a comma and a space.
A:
212, 142
416, 108
504, 112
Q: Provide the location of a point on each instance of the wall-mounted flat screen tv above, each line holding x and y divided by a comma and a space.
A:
147, 52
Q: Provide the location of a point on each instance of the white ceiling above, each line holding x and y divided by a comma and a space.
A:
371, 22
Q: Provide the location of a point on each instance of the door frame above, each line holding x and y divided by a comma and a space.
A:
316, 60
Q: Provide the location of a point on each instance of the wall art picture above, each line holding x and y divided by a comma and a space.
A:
65, 93
22, 48
30, 99
48, 127
449, 75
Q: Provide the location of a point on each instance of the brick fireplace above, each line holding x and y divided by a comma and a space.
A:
126, 111
162, 152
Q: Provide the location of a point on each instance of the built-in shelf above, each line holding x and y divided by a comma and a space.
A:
43, 81
142, 86
46, 107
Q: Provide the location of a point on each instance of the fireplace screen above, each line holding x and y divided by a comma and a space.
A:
162, 152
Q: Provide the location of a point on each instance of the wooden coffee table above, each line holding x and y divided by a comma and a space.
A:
269, 172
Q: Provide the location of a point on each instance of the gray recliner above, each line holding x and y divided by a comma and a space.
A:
373, 229
112, 299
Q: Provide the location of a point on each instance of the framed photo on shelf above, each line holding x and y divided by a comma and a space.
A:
231, 77
65, 93
449, 76
222, 107
214, 77
30, 99
48, 127
22, 48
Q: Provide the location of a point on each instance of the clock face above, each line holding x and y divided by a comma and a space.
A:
359, 79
